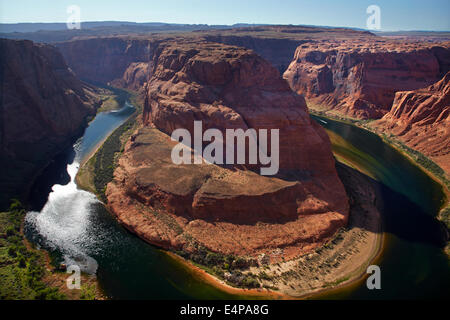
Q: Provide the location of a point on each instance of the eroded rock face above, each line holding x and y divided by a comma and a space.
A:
227, 210
135, 76
359, 78
43, 107
227, 87
421, 119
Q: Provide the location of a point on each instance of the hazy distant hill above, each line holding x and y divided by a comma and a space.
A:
61, 26
54, 32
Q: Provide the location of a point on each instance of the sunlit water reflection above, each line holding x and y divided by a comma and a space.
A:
66, 222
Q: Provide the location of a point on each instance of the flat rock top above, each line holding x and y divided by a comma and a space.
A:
151, 153
370, 45
230, 211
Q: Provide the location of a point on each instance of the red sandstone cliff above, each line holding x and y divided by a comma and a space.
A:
359, 78
43, 106
227, 210
421, 119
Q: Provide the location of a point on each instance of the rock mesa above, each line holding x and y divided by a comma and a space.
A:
226, 209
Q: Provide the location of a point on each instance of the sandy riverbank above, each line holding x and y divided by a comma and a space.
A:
222, 285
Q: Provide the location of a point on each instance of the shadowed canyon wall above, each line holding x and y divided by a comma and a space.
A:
43, 107
107, 59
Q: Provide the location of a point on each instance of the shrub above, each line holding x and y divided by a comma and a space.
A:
240, 263
10, 231
22, 262
16, 205
264, 276
250, 282
12, 252
47, 293
88, 293
218, 271
213, 259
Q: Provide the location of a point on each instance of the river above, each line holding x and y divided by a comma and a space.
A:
413, 264
76, 228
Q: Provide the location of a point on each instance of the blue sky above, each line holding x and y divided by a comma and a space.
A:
395, 14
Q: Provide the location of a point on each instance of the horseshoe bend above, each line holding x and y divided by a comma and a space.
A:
166, 161
226, 210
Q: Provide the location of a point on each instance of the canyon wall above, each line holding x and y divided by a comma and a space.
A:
118, 60
359, 79
354, 75
124, 60
43, 107
226, 209
277, 44
421, 119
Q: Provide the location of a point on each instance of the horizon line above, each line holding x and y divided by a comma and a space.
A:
228, 25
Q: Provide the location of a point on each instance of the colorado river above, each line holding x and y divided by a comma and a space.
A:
413, 264
76, 228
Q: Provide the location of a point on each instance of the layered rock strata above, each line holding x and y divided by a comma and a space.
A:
359, 79
421, 119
